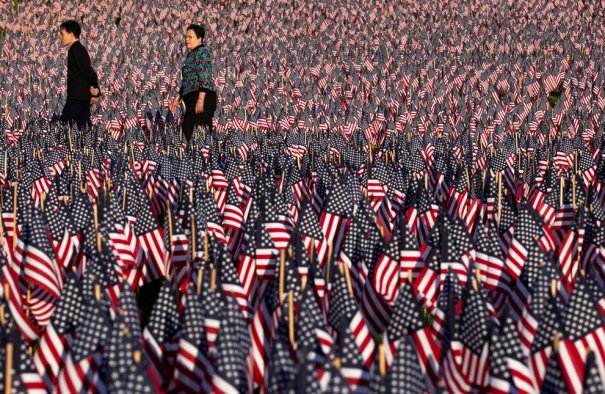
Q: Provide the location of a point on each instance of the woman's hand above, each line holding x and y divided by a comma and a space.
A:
199, 106
95, 92
174, 104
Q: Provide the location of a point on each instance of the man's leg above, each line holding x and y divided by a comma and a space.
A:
77, 112
69, 111
83, 117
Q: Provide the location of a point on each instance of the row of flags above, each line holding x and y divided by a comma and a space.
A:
333, 265
414, 202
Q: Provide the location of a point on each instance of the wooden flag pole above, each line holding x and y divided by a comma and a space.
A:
382, 365
193, 237
96, 223
348, 278
98, 292
42, 199
291, 317
15, 216
573, 191
562, 188
200, 274
329, 263
124, 199
282, 263
8, 375
499, 178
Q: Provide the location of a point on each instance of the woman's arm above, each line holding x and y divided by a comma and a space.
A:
204, 74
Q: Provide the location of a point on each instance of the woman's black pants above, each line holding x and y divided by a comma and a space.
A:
191, 119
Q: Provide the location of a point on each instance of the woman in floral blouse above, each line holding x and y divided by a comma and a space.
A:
197, 88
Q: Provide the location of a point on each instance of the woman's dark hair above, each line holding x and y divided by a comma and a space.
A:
198, 30
71, 26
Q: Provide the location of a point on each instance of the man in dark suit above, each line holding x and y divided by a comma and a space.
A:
82, 81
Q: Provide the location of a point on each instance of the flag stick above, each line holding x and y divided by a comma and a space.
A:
282, 261
42, 199
124, 199
337, 363
96, 223
8, 375
193, 237
281, 185
573, 190
291, 317
382, 365
329, 263
562, 187
348, 278
98, 292
499, 178
200, 273
15, 216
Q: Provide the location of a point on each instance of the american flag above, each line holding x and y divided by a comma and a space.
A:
161, 337
193, 369
81, 369
230, 375
55, 342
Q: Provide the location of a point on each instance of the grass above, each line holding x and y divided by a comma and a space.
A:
553, 97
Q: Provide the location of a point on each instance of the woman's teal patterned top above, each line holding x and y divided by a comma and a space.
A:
197, 72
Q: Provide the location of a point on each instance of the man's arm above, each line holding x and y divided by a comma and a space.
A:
83, 63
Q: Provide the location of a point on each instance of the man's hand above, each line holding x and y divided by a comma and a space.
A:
95, 91
94, 100
199, 106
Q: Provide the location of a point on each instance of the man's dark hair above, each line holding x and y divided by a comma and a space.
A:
71, 26
198, 30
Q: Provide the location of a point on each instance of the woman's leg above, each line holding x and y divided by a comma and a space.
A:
209, 108
188, 123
